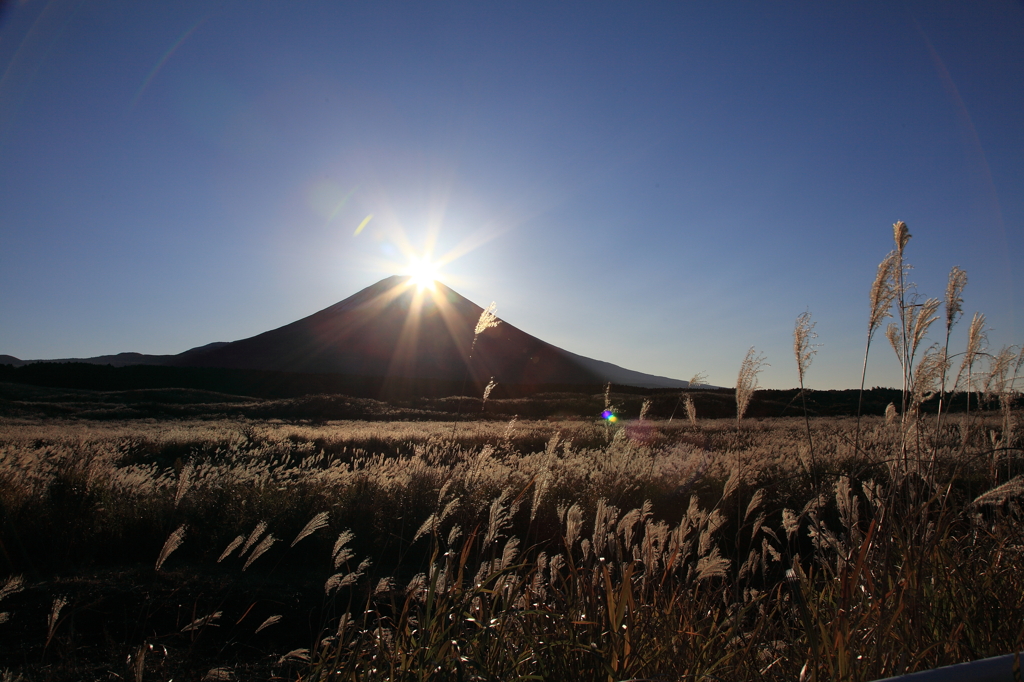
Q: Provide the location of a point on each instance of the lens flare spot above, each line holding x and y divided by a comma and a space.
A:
363, 224
609, 416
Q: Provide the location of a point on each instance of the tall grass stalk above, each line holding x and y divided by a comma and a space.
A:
746, 383
804, 351
881, 299
954, 307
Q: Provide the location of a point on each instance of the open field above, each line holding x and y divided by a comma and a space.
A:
508, 550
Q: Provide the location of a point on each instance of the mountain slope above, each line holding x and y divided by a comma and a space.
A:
392, 329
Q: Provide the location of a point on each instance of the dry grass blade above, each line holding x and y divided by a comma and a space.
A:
316, 523
172, 543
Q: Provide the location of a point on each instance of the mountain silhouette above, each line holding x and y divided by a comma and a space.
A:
394, 335
395, 330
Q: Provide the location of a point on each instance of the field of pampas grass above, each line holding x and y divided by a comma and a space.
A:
799, 548
667, 552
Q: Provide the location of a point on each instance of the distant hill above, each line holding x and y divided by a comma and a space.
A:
393, 333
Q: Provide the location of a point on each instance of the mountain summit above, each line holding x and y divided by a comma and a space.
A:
395, 330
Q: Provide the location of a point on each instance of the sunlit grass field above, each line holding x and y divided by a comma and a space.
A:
640, 548
488, 550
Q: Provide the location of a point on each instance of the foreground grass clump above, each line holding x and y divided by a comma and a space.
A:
503, 551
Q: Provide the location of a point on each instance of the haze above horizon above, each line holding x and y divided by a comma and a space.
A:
658, 187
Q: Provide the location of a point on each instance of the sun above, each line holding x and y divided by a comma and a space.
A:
422, 272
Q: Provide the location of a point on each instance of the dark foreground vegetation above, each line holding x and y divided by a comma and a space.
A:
499, 551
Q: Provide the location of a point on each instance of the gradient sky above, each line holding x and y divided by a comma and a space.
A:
657, 185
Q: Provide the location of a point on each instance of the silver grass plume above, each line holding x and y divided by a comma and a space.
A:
454, 534
254, 536
882, 292
804, 350
1011, 489
344, 537
997, 379
954, 311
487, 320
928, 375
428, 526
13, 585
294, 655
746, 383
901, 235
573, 525
977, 341
954, 296
172, 543
268, 622
691, 410
487, 391
316, 523
232, 546
498, 517
919, 319
58, 604
340, 580
260, 549
184, 482
892, 332
203, 621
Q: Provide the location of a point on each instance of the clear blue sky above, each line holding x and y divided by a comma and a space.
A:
658, 185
